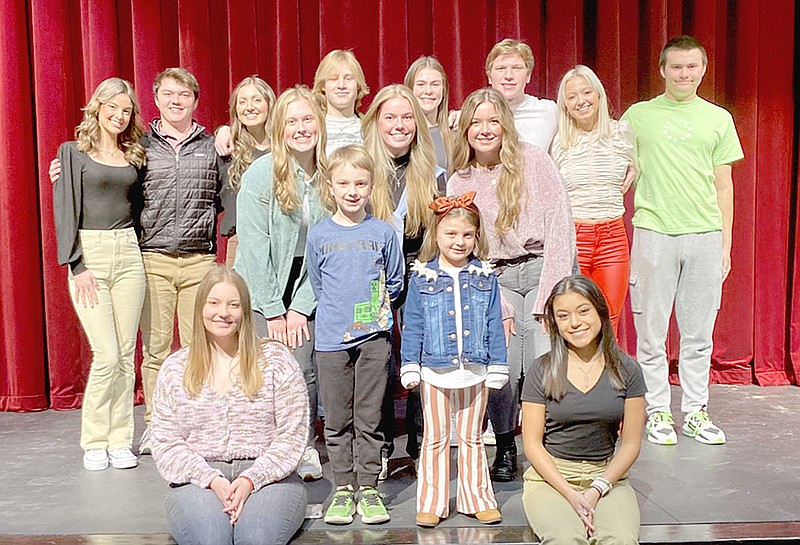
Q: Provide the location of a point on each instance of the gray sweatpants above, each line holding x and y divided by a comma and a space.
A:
352, 383
684, 270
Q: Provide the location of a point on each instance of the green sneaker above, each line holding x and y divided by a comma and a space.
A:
659, 429
371, 507
699, 425
342, 508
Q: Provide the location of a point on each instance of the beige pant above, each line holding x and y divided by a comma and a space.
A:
172, 284
553, 519
113, 257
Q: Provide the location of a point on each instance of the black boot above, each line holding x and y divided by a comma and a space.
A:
504, 468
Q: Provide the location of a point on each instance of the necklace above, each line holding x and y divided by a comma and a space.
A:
588, 369
109, 152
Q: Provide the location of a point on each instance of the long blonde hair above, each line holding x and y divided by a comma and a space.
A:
251, 361
510, 186
283, 163
243, 141
443, 110
420, 173
87, 133
430, 246
567, 127
330, 66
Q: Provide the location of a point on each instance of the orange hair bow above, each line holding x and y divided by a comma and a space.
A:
443, 205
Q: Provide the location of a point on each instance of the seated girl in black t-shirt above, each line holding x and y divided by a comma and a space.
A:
573, 402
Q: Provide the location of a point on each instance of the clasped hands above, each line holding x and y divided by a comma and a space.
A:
232, 495
584, 504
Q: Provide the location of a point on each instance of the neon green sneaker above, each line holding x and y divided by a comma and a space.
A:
342, 508
371, 507
699, 425
659, 429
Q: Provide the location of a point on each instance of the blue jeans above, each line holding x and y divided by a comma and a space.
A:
271, 515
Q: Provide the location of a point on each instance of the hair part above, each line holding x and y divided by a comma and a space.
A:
182, 76
251, 361
284, 183
554, 377
243, 141
331, 66
568, 130
509, 46
472, 215
510, 186
683, 43
87, 133
420, 174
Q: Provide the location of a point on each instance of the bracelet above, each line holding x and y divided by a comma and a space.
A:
602, 485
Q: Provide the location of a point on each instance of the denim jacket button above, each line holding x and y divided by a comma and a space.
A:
451, 312
430, 288
466, 332
455, 361
465, 286
466, 307
452, 335
449, 288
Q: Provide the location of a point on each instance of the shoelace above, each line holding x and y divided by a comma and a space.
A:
700, 419
341, 498
371, 498
663, 418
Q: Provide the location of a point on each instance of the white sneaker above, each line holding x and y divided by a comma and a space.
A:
144, 443
95, 459
488, 437
384, 474
122, 458
659, 429
310, 467
699, 425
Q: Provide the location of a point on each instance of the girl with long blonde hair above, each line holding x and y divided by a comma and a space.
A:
530, 235
250, 111
428, 81
95, 204
594, 154
279, 200
230, 419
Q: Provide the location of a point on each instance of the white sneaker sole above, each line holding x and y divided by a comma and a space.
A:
374, 520
95, 465
123, 463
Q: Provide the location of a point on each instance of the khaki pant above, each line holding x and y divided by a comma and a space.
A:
555, 521
113, 257
172, 284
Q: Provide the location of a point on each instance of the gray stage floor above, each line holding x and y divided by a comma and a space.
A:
753, 478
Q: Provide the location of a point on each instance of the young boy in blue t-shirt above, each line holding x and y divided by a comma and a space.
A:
355, 265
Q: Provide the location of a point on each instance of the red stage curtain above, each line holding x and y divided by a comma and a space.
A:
55, 52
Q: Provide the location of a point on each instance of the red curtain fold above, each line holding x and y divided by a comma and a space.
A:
55, 52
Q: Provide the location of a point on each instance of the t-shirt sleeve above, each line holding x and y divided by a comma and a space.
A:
532, 388
634, 381
729, 149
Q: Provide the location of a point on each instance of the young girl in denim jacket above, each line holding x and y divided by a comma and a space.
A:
454, 348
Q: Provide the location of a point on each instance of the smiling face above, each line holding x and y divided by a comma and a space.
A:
301, 130
114, 116
341, 91
577, 319
581, 101
456, 238
176, 103
252, 108
222, 312
485, 133
397, 126
509, 75
683, 72
429, 90
351, 187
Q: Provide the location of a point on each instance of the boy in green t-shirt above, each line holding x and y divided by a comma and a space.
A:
681, 251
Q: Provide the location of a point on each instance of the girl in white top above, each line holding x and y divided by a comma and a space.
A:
340, 83
593, 153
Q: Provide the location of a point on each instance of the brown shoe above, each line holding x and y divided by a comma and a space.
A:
427, 520
490, 516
